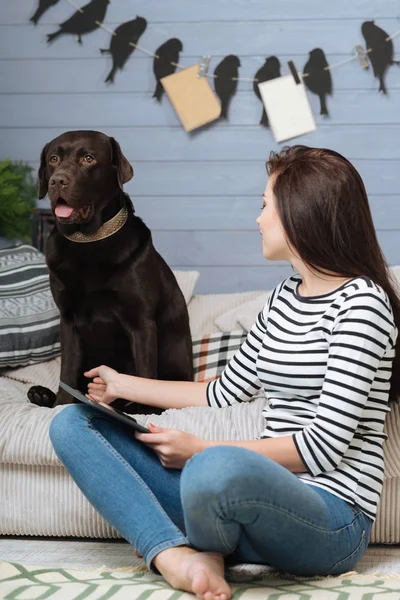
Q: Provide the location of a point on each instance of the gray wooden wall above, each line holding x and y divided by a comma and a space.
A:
200, 193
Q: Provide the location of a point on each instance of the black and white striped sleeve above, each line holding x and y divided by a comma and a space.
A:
362, 341
239, 380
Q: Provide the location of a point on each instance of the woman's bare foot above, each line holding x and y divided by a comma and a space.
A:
201, 573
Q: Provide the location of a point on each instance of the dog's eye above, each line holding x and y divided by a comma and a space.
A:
53, 159
88, 158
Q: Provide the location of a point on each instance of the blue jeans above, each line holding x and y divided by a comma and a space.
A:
226, 499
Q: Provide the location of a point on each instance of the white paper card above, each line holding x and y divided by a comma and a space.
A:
288, 109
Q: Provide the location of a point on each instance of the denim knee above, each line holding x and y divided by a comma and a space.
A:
62, 425
211, 473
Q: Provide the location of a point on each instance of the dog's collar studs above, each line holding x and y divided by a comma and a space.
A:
106, 230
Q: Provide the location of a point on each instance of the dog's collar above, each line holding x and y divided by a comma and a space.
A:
108, 228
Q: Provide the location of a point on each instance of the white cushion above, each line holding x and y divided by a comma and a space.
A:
204, 309
187, 281
249, 311
244, 315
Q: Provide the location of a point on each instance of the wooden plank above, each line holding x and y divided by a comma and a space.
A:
235, 248
106, 111
214, 178
256, 37
222, 213
222, 280
60, 75
205, 10
216, 143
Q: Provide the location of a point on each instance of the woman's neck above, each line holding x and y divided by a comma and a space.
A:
317, 284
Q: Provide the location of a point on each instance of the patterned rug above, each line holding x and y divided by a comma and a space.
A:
19, 582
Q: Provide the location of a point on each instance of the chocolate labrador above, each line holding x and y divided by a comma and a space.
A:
119, 301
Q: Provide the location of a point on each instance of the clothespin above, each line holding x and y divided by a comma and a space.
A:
294, 72
203, 67
362, 56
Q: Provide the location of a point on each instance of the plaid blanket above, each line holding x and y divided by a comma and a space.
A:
213, 351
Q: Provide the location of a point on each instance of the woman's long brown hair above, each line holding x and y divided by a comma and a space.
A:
324, 209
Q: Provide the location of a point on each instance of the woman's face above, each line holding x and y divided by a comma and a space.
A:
274, 242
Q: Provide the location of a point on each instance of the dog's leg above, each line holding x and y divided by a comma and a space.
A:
175, 359
71, 367
144, 346
143, 342
71, 361
175, 352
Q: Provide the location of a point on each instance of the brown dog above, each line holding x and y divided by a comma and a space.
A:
119, 302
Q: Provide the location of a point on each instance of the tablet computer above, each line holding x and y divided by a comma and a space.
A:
105, 409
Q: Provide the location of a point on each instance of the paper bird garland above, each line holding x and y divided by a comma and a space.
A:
165, 63
123, 43
319, 80
44, 5
381, 54
270, 70
226, 76
84, 20
316, 72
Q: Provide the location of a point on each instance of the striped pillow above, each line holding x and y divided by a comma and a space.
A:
213, 351
29, 318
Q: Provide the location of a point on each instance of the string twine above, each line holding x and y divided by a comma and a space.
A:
212, 76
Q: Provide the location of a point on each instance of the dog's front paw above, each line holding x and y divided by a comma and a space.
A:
41, 396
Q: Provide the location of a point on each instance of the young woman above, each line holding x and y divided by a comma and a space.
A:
302, 497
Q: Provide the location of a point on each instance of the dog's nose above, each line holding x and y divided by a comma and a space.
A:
59, 179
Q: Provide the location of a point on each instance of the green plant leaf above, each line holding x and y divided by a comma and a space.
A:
18, 193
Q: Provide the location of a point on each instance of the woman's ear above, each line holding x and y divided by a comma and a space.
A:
123, 166
42, 173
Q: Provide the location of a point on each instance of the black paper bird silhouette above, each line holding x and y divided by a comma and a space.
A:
168, 53
224, 83
44, 5
120, 48
318, 80
270, 70
83, 20
381, 55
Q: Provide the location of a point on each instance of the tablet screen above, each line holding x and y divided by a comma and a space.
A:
117, 414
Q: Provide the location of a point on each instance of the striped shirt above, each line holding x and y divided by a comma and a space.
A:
325, 364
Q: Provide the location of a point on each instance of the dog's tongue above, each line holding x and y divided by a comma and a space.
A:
63, 210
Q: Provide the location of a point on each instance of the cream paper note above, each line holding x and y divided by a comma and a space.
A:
288, 108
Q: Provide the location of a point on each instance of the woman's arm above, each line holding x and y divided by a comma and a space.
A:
239, 381
175, 447
108, 384
282, 450
363, 334
162, 394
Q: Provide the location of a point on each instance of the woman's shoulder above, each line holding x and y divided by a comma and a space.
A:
363, 286
363, 292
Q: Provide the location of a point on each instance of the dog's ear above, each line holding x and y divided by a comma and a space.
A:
123, 166
42, 173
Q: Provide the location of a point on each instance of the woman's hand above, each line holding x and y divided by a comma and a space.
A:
102, 388
173, 447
